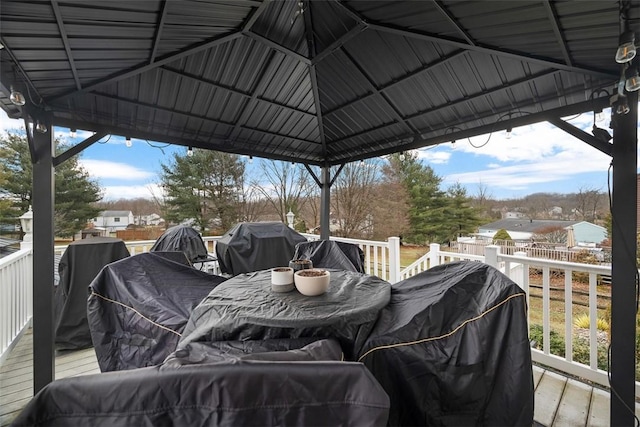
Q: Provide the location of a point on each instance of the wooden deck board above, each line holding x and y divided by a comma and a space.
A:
547, 397
574, 405
559, 401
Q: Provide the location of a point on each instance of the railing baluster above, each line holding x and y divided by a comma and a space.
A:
568, 315
593, 316
546, 324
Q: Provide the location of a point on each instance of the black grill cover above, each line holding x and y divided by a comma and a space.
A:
332, 254
182, 238
79, 265
451, 348
246, 393
139, 306
253, 246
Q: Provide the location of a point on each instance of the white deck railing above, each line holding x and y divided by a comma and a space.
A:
518, 267
16, 298
383, 260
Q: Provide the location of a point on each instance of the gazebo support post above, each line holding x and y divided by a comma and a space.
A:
624, 268
325, 201
43, 242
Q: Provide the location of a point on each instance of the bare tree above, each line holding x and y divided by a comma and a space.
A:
285, 187
587, 201
354, 190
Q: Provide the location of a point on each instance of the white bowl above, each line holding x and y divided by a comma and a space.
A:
312, 282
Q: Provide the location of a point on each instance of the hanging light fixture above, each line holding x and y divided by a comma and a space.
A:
41, 127
509, 133
633, 80
401, 156
623, 106
127, 142
190, 152
250, 159
16, 97
72, 133
626, 47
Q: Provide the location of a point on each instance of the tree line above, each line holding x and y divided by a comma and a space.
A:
373, 199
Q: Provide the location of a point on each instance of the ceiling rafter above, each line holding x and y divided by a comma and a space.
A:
337, 44
553, 17
235, 91
18, 65
418, 141
193, 140
314, 82
65, 42
255, 14
453, 21
162, 109
159, 28
484, 93
279, 135
461, 101
394, 112
139, 69
410, 75
282, 49
491, 50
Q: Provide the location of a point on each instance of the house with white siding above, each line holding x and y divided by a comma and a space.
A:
113, 221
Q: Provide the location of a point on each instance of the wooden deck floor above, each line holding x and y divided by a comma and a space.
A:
559, 401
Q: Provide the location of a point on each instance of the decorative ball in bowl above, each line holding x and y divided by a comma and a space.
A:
312, 282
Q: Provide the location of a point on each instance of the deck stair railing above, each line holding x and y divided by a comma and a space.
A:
16, 298
521, 268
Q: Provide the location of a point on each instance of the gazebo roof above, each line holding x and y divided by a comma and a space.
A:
317, 82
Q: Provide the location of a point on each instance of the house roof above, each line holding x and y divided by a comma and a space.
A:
525, 225
114, 213
317, 82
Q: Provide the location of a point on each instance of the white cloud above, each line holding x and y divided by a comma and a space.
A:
433, 156
7, 124
115, 192
103, 169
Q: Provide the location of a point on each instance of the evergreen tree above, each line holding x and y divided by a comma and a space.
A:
427, 203
206, 188
461, 216
75, 192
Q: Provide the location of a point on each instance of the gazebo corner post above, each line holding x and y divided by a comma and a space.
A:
624, 265
325, 201
43, 191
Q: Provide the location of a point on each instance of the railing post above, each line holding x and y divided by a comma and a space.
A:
491, 255
434, 254
394, 259
518, 275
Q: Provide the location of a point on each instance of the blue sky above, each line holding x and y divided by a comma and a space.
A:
536, 158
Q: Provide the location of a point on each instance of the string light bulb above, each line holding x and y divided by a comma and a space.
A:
16, 97
127, 142
250, 159
190, 152
41, 127
633, 81
401, 156
626, 48
509, 133
72, 133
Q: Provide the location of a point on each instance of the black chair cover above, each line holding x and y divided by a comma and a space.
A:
182, 238
452, 349
332, 254
79, 265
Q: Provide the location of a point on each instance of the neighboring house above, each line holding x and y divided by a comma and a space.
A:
587, 232
512, 215
151, 219
113, 221
524, 229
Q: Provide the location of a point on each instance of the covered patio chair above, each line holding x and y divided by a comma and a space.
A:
332, 254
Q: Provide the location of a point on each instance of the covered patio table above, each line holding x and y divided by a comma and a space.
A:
245, 308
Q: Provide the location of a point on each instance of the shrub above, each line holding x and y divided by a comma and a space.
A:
583, 321
584, 257
501, 234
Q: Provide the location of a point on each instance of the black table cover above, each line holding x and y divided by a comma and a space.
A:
79, 265
245, 308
